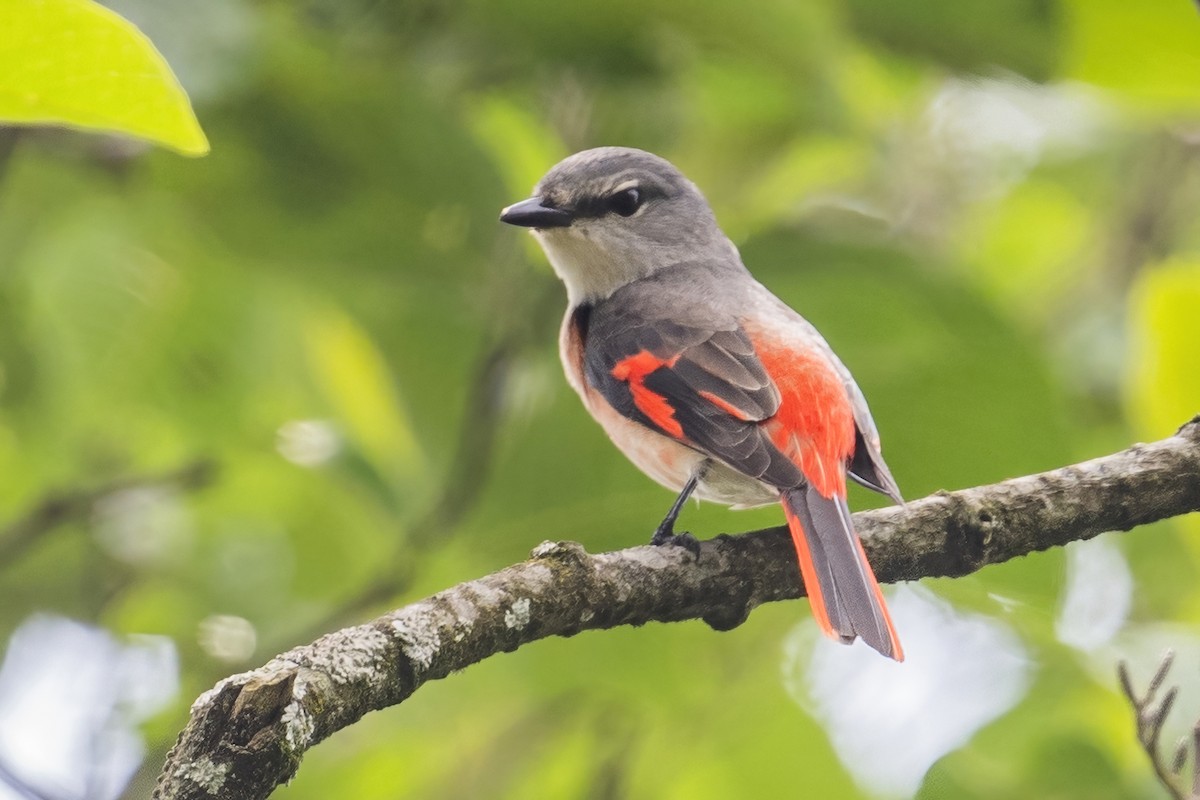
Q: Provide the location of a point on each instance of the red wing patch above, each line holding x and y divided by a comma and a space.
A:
814, 425
724, 405
633, 371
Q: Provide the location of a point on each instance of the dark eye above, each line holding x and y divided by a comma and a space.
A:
625, 202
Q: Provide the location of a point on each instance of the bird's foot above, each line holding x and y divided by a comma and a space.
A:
666, 536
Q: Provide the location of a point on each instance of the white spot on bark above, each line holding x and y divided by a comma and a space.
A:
517, 617
586, 615
565, 551
539, 573
545, 550
204, 773
419, 639
297, 726
654, 557
464, 610
485, 595
359, 656
271, 669
205, 699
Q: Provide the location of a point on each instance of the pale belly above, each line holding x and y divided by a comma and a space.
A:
664, 459
672, 464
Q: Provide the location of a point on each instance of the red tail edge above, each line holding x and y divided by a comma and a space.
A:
816, 598
897, 650
809, 573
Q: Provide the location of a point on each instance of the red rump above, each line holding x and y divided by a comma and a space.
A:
814, 425
633, 370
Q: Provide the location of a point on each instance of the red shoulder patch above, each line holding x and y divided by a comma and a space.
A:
633, 371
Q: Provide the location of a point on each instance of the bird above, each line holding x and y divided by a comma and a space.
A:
703, 378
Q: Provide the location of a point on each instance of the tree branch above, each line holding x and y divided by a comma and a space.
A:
1150, 713
248, 734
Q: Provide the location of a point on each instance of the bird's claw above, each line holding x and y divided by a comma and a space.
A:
664, 537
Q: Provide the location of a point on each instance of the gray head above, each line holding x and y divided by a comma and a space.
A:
611, 215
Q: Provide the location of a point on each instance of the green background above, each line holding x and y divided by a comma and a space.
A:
988, 208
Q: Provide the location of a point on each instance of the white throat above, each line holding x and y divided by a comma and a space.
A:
593, 267
594, 263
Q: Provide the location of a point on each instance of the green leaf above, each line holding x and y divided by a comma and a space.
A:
74, 62
1163, 383
355, 378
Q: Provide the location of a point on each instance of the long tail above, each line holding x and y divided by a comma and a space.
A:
842, 589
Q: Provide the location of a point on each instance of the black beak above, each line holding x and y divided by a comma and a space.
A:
532, 214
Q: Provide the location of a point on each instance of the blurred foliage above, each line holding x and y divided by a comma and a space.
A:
988, 209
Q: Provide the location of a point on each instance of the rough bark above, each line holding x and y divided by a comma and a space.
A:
248, 734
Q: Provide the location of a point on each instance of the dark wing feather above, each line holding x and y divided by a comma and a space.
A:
867, 466
710, 377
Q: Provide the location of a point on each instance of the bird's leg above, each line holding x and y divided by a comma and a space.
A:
665, 533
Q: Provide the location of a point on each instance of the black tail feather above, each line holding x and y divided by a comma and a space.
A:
841, 584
